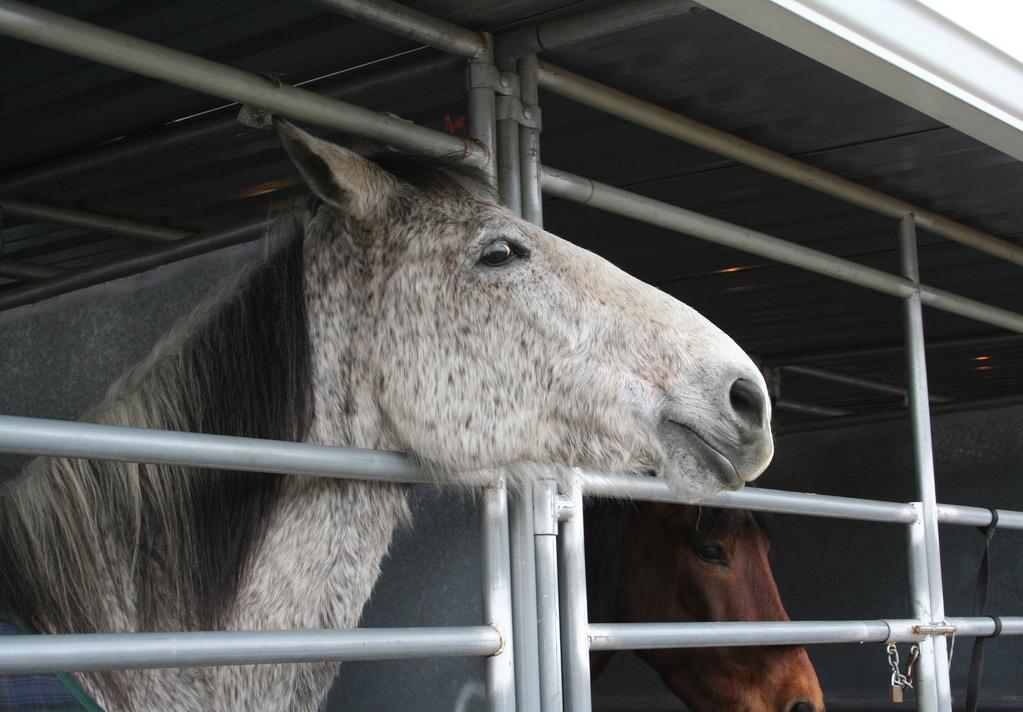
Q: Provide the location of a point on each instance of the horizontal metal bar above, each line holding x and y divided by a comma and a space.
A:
981, 341
848, 421
66, 34
19, 269
978, 516
637, 636
646, 636
38, 436
61, 438
417, 26
654, 212
802, 503
809, 408
984, 626
756, 498
131, 651
562, 32
669, 123
218, 123
90, 221
854, 381
198, 244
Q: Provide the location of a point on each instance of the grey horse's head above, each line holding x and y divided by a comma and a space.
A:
475, 340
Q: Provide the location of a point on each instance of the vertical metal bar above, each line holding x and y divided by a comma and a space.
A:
524, 631
924, 457
508, 144
529, 141
482, 111
545, 526
501, 669
497, 604
575, 620
920, 601
523, 544
494, 521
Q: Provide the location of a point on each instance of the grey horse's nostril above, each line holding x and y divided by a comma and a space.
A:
749, 403
801, 706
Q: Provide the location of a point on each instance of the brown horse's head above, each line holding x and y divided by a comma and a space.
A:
689, 563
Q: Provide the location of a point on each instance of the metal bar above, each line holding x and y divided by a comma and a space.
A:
920, 604
855, 381
497, 604
91, 221
972, 627
420, 27
566, 31
800, 503
131, 651
62, 438
920, 418
198, 244
483, 117
66, 34
957, 514
652, 489
494, 525
508, 168
669, 123
810, 408
646, 636
654, 212
575, 640
556, 33
19, 269
524, 613
846, 421
545, 528
979, 341
219, 123
523, 543
529, 144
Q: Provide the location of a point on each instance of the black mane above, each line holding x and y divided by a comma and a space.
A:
243, 369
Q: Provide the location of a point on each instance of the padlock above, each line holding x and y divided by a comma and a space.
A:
895, 693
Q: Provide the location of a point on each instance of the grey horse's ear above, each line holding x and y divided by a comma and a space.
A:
340, 177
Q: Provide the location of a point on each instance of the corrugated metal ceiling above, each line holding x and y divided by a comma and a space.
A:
701, 65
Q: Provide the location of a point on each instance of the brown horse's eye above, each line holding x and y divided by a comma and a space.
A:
501, 252
712, 554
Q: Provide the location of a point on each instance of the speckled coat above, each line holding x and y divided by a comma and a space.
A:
402, 309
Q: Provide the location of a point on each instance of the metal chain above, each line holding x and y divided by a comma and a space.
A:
914, 655
898, 679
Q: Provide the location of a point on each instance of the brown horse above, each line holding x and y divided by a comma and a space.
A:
649, 562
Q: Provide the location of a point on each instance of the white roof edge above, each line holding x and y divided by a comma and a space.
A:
938, 68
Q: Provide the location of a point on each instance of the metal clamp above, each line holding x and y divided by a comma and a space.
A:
545, 508
511, 108
509, 105
942, 628
484, 75
564, 508
501, 637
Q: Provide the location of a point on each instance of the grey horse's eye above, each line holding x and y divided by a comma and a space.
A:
501, 252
